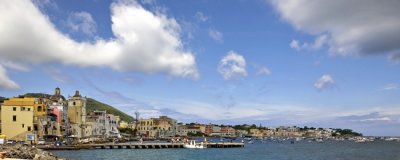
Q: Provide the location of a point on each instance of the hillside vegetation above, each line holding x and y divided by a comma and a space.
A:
93, 104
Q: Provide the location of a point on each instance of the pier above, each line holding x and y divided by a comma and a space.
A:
137, 146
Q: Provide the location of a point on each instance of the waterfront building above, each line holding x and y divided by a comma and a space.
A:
184, 130
202, 128
19, 117
146, 127
216, 131
77, 115
101, 124
162, 127
241, 133
208, 130
256, 132
55, 122
268, 132
95, 122
111, 125
228, 132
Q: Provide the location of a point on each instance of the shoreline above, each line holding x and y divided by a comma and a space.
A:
18, 151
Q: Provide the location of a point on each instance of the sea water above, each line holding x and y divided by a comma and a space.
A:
274, 150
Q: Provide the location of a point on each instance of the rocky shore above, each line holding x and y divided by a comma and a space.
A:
25, 152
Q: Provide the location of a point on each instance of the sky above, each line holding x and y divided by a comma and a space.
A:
332, 64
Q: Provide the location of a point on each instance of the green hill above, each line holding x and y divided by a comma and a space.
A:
91, 105
2, 99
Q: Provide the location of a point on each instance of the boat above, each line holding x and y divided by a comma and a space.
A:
193, 144
319, 140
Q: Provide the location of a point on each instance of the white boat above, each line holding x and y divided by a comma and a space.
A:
319, 140
193, 144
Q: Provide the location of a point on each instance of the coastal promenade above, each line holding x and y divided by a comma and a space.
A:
137, 146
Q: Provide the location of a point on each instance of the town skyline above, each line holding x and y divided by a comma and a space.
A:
269, 62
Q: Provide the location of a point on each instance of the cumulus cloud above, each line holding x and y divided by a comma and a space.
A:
144, 41
233, 65
352, 26
216, 35
5, 82
324, 81
201, 17
82, 22
391, 86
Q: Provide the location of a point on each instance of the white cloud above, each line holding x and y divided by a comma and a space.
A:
376, 119
14, 66
82, 22
263, 71
391, 86
233, 65
201, 17
145, 42
352, 26
216, 35
324, 81
317, 44
295, 44
5, 82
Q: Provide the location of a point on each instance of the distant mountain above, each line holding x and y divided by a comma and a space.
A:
91, 105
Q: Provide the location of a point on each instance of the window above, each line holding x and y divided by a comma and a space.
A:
22, 108
29, 128
23, 125
14, 108
74, 103
39, 108
35, 127
14, 118
29, 109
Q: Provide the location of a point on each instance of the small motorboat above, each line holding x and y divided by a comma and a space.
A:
193, 144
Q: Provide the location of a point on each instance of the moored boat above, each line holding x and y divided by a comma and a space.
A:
193, 144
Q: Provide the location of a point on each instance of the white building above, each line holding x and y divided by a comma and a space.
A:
99, 123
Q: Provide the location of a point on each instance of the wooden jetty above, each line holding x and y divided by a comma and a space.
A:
137, 146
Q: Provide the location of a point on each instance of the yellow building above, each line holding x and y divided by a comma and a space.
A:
17, 116
123, 124
157, 127
77, 114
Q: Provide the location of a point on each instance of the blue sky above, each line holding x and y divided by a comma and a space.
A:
289, 62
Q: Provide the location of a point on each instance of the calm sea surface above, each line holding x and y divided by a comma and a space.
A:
304, 150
